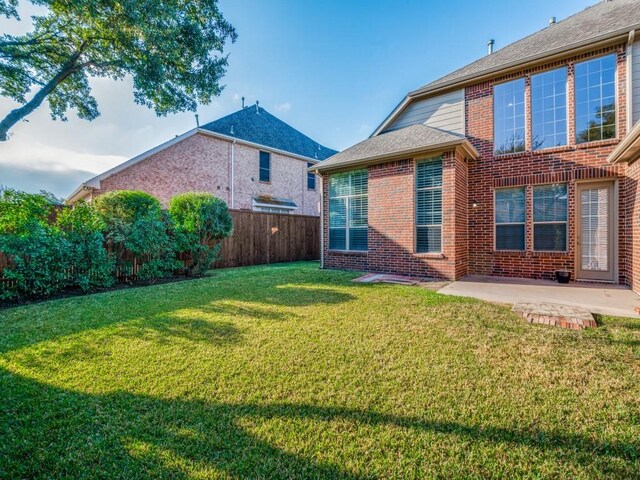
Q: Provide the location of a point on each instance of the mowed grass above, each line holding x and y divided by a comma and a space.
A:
288, 371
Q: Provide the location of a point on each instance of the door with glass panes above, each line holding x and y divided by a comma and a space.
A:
595, 232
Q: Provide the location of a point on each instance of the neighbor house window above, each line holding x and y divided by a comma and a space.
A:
508, 117
311, 178
550, 217
595, 99
510, 218
348, 211
549, 109
429, 206
265, 167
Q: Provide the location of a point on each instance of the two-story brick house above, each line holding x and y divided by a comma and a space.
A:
250, 159
504, 167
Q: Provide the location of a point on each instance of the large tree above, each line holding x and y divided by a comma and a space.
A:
173, 50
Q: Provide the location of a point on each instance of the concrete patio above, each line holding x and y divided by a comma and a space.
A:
604, 299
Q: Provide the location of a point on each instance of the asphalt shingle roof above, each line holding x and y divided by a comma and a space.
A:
603, 20
254, 124
408, 139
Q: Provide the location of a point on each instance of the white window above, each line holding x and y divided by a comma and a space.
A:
550, 217
429, 206
510, 217
508, 117
549, 109
348, 211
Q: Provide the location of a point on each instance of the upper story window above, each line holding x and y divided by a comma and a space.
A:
265, 167
595, 99
311, 178
348, 211
549, 109
429, 206
508, 117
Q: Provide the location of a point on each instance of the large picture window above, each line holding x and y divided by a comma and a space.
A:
510, 218
508, 117
348, 211
429, 206
549, 109
595, 99
550, 217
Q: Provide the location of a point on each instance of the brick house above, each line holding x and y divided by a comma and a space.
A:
518, 164
250, 159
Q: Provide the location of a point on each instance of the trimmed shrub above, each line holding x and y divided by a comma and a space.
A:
89, 264
201, 220
137, 226
36, 250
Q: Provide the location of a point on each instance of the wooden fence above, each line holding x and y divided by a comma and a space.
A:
258, 238
262, 238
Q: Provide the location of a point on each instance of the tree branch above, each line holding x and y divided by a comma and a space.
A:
19, 113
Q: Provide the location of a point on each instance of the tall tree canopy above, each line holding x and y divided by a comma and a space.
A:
173, 49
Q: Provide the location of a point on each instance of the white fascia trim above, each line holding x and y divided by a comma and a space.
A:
257, 145
392, 116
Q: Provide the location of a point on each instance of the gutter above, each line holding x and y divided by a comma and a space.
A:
469, 149
591, 44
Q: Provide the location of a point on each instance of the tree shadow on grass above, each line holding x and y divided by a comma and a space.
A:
205, 308
50, 433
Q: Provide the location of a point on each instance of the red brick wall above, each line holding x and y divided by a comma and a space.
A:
468, 233
567, 164
392, 223
203, 163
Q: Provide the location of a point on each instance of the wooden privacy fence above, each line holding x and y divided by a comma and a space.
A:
258, 238
261, 238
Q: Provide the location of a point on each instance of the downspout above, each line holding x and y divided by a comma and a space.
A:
629, 86
321, 221
233, 152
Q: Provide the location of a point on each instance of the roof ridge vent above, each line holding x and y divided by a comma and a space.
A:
232, 130
258, 107
490, 44
552, 21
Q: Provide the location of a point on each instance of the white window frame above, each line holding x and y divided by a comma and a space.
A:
534, 223
495, 225
424, 189
348, 218
567, 116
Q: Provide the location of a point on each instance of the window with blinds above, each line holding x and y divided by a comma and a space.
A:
348, 211
429, 206
510, 217
550, 208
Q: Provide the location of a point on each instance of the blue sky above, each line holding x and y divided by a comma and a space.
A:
332, 69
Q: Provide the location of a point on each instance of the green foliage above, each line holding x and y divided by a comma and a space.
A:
35, 248
173, 50
47, 254
87, 259
136, 226
200, 220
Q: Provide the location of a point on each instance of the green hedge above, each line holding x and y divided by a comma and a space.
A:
91, 245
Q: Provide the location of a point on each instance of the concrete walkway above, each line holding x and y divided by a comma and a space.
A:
605, 299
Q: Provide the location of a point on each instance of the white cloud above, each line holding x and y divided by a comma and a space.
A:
283, 107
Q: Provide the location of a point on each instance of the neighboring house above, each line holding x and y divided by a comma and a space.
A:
250, 159
504, 167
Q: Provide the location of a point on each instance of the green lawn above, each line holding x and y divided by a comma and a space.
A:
291, 372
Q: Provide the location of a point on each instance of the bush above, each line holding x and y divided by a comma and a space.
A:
200, 221
136, 226
36, 250
89, 264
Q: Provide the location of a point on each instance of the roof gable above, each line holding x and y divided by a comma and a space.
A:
254, 124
